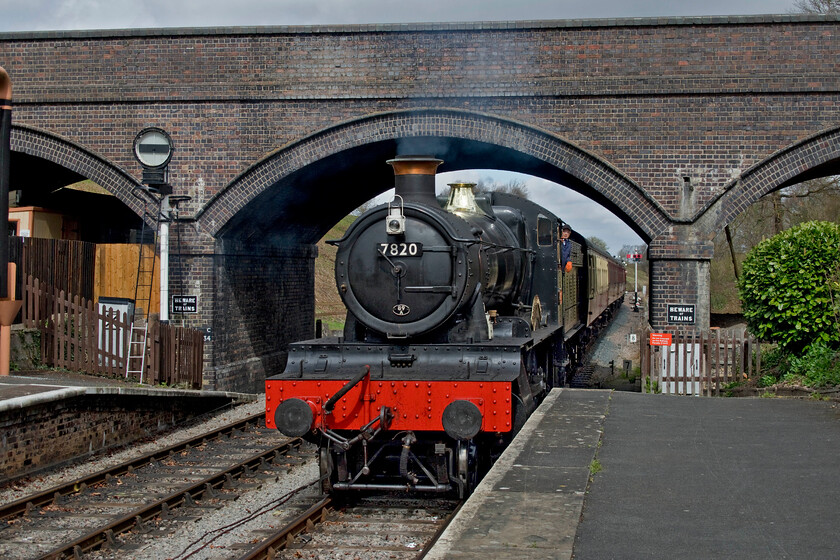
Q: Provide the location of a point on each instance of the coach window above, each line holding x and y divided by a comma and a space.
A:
544, 230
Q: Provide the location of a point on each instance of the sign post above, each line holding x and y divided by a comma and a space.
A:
635, 258
153, 149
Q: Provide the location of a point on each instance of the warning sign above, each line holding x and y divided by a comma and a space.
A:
680, 314
184, 304
660, 339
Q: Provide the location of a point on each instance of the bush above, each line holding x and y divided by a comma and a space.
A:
785, 288
766, 381
775, 359
820, 366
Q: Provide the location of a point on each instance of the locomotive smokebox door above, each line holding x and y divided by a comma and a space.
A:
414, 276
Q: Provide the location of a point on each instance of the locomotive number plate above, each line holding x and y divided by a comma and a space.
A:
400, 249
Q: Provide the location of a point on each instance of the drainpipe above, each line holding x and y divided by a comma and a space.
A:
8, 306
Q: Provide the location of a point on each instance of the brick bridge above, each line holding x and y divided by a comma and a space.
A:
676, 125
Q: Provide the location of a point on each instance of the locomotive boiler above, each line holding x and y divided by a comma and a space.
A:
459, 320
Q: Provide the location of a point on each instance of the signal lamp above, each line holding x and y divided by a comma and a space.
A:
395, 222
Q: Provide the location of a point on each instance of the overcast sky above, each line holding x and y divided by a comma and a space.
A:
585, 216
39, 15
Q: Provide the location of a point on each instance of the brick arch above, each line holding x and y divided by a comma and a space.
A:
788, 166
50, 147
522, 147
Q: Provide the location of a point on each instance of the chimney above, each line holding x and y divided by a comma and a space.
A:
414, 178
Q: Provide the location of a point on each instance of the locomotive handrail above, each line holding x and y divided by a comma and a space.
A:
506, 247
328, 407
429, 289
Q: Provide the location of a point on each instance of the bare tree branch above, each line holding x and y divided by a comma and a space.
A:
817, 6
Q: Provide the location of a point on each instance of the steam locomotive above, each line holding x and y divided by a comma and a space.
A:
459, 321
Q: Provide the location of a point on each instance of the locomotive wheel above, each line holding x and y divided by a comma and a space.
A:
327, 469
520, 415
466, 471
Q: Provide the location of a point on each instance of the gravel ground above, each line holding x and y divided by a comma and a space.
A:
213, 538
51, 478
615, 343
205, 538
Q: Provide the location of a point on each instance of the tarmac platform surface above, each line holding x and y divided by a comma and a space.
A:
681, 477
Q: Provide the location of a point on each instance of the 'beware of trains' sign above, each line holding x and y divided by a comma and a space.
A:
680, 314
184, 304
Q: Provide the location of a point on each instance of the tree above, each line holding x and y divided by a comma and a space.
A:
599, 243
514, 187
816, 199
817, 6
785, 288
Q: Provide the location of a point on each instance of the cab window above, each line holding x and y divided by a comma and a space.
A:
544, 230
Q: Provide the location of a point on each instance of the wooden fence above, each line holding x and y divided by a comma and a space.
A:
85, 269
699, 362
116, 274
61, 263
77, 336
176, 355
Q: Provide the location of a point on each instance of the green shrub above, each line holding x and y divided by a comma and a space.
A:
785, 291
818, 367
766, 381
776, 361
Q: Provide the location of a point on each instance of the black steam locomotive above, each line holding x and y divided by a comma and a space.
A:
460, 317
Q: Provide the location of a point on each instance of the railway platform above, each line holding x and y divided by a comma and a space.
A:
47, 417
600, 474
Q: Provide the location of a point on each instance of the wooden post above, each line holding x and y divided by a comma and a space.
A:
152, 350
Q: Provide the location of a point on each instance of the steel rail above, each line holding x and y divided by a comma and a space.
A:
318, 513
281, 539
28, 503
431, 542
105, 535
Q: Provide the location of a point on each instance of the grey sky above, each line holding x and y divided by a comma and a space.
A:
39, 15
585, 216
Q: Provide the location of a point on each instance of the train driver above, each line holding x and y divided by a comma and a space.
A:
565, 248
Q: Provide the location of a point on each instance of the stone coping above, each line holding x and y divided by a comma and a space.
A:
62, 393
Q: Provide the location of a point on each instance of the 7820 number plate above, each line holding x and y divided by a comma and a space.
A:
400, 249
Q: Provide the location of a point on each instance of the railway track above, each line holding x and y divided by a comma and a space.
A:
190, 479
370, 528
